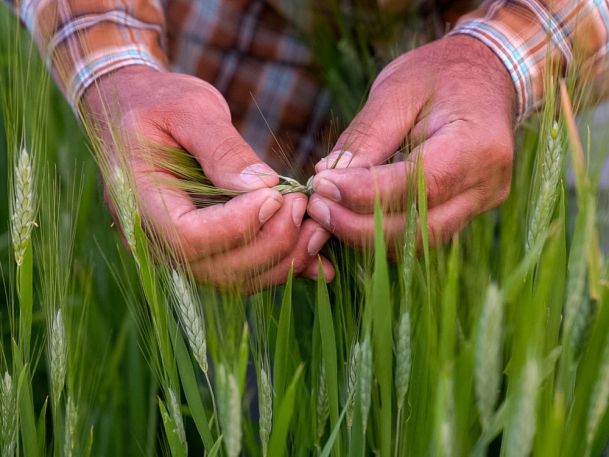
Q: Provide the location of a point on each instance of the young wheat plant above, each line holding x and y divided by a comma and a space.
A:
58, 355
191, 318
8, 418
22, 219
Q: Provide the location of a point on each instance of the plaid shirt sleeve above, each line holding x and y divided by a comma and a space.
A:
83, 40
529, 34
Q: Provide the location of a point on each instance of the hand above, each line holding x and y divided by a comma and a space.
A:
252, 240
454, 100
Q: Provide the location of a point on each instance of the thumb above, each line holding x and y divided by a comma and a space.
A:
377, 131
227, 160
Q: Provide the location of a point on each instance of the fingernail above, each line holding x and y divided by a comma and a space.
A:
298, 208
326, 188
316, 242
320, 211
254, 174
337, 159
268, 208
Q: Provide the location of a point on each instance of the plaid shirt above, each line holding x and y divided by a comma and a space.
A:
250, 50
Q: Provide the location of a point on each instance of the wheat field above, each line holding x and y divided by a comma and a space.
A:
495, 344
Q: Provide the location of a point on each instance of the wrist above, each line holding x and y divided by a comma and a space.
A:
484, 61
111, 84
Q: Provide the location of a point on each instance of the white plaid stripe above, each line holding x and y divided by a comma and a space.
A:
99, 64
84, 22
525, 48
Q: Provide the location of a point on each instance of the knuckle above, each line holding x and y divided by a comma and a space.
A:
279, 235
504, 155
184, 243
363, 134
298, 261
218, 98
227, 149
285, 243
353, 232
361, 197
441, 234
206, 102
439, 183
503, 193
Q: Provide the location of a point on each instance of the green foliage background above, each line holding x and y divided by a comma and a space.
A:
338, 356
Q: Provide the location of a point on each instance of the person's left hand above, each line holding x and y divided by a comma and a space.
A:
455, 100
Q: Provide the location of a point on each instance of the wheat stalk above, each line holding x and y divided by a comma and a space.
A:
176, 416
265, 400
203, 192
352, 382
323, 405
233, 438
582, 323
599, 398
551, 168
447, 418
58, 352
191, 318
488, 355
69, 444
409, 252
126, 206
522, 426
22, 218
8, 416
229, 410
403, 354
365, 380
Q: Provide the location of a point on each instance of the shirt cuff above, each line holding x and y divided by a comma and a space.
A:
85, 49
524, 37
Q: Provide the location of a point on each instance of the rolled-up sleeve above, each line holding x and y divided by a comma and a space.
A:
532, 36
82, 40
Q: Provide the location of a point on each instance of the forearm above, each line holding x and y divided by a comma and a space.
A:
82, 40
532, 37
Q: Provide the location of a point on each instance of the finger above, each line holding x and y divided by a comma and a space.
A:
353, 228
376, 132
447, 169
261, 283
312, 270
274, 241
443, 221
201, 232
299, 260
448, 219
357, 188
227, 160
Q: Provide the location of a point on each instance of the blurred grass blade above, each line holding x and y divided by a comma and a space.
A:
279, 435
191, 390
284, 340
328, 349
382, 331
27, 418
175, 444
335, 431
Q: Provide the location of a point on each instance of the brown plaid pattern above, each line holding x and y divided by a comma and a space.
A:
250, 52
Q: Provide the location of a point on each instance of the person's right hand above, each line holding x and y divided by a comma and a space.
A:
252, 240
